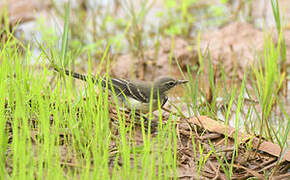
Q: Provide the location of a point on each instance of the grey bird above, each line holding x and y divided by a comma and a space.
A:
136, 94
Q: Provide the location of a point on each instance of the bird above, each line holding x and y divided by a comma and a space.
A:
136, 94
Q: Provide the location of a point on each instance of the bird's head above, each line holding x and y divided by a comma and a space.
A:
164, 84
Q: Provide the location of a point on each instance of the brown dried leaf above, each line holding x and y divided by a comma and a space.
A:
213, 126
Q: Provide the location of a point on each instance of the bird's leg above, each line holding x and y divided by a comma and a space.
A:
139, 115
153, 124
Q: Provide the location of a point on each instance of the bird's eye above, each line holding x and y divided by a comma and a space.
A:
171, 83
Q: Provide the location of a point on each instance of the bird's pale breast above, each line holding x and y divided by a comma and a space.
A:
144, 107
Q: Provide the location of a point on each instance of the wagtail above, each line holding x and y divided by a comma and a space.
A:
136, 94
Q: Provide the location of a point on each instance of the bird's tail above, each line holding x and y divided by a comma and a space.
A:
76, 75
118, 84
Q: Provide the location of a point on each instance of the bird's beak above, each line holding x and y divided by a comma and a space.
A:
182, 81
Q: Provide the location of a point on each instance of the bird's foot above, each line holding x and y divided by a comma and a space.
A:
140, 116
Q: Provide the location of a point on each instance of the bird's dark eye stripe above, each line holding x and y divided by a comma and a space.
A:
170, 83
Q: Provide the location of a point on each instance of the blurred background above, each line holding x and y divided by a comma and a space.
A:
141, 32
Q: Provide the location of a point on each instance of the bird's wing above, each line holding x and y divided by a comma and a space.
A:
123, 87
